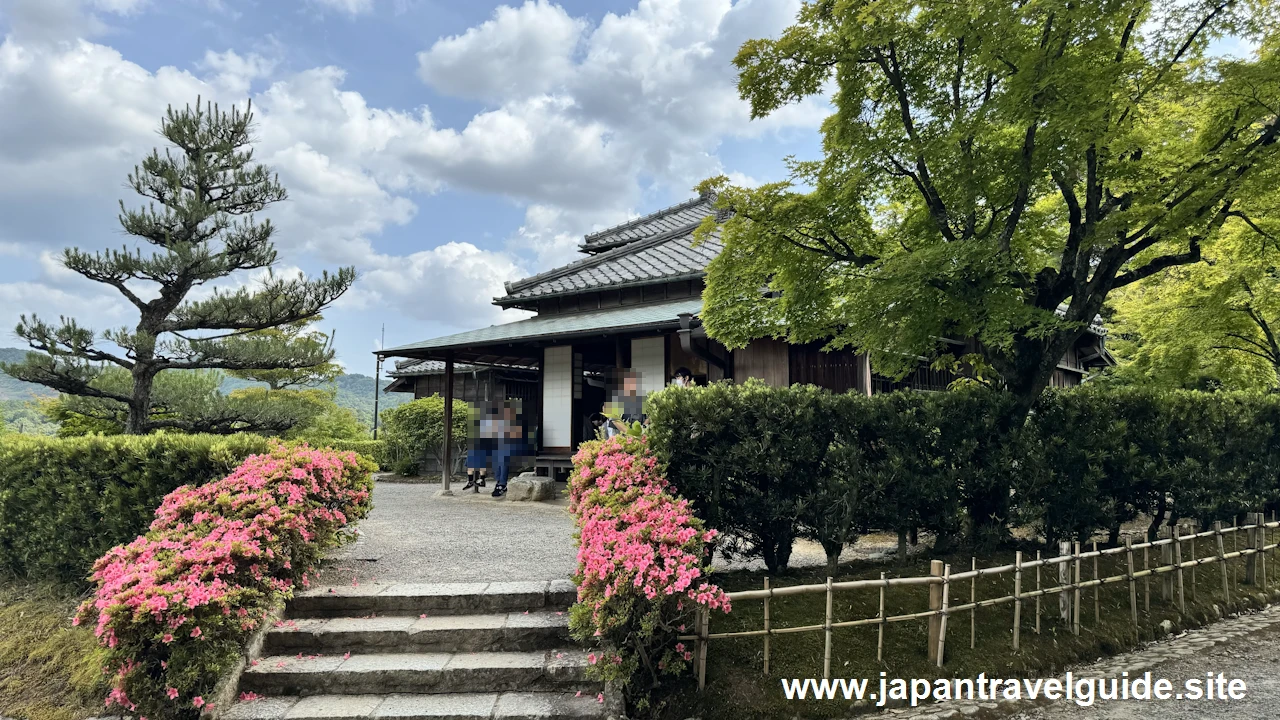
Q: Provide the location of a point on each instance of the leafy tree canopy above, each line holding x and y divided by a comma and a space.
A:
1214, 324
295, 339
993, 171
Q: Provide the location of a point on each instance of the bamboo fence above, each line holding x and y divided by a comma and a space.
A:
1258, 536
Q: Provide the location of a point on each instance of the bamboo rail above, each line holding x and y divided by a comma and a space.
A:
1071, 585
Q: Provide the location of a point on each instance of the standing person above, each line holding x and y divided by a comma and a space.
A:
682, 378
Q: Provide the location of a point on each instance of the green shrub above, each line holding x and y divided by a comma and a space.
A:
746, 456
66, 501
175, 607
414, 432
375, 450
764, 465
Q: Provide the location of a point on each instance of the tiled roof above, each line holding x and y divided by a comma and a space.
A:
414, 368
664, 256
660, 222
619, 319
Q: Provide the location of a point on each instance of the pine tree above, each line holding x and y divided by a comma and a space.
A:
200, 215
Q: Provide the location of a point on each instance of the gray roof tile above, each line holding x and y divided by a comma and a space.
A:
663, 221
651, 249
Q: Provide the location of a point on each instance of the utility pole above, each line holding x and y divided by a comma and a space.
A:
377, 379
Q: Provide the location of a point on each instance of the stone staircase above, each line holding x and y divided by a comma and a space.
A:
463, 651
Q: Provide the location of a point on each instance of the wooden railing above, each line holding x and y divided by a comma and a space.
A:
1069, 587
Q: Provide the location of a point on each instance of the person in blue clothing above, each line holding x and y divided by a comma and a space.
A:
483, 446
511, 445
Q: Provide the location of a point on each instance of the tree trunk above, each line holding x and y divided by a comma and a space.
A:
902, 545
1113, 536
140, 405
915, 536
833, 551
1153, 530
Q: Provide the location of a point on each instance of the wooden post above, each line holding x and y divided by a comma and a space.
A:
1097, 589
880, 635
1262, 547
1017, 599
1177, 560
1037, 592
1235, 547
1064, 579
766, 628
446, 454
1251, 543
1222, 565
826, 653
1166, 559
1133, 587
1075, 596
1146, 580
973, 598
942, 626
1195, 557
935, 603
704, 629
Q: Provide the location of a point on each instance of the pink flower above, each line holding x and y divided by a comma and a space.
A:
196, 632
198, 701
172, 693
249, 696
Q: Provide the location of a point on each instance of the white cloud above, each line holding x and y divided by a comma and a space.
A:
528, 50
350, 7
234, 72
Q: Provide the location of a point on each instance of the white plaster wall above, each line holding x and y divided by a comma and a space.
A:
649, 358
557, 396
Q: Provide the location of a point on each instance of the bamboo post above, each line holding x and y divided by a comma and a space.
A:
973, 598
880, 638
1146, 580
1262, 547
1097, 589
1222, 565
1166, 559
826, 653
1017, 599
1235, 547
1251, 544
1037, 592
942, 626
935, 603
766, 628
1177, 559
1194, 556
704, 622
1076, 594
1133, 587
1064, 579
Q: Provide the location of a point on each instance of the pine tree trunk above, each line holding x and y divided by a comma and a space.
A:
140, 404
902, 545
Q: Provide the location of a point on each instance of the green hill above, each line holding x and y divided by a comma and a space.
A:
354, 391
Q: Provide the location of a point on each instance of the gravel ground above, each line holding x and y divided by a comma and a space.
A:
414, 535
1253, 658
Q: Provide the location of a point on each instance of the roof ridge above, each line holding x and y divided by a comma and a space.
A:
645, 218
598, 258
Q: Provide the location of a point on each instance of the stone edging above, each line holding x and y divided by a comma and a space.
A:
1135, 662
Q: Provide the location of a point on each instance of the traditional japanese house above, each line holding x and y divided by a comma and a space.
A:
633, 302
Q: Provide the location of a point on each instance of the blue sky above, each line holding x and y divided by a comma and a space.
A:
440, 146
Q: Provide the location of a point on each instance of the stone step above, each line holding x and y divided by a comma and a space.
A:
433, 599
538, 630
419, 673
468, 706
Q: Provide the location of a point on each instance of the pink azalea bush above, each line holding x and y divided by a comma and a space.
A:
174, 607
641, 571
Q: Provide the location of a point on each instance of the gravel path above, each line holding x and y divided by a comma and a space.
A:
1253, 658
413, 535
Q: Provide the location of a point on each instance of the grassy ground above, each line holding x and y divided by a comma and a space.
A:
737, 687
48, 669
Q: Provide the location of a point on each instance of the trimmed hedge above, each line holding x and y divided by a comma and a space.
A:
375, 450
764, 465
66, 501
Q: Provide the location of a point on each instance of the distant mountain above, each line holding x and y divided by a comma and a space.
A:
354, 390
12, 389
